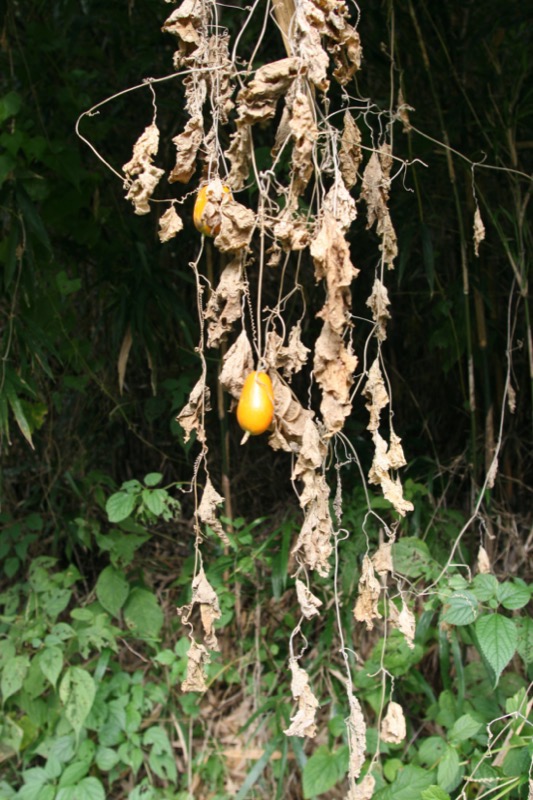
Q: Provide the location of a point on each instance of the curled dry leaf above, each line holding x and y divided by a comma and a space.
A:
479, 230
363, 790
404, 621
483, 562
379, 302
225, 304
374, 390
511, 398
187, 145
303, 722
290, 418
314, 538
236, 365
291, 230
356, 728
191, 417
339, 203
331, 258
204, 594
123, 357
386, 458
366, 606
257, 101
403, 112
142, 176
197, 660
309, 603
382, 559
375, 192
393, 728
186, 22
170, 224
308, 42
236, 225
334, 365
238, 154
207, 510
304, 132
290, 358
350, 153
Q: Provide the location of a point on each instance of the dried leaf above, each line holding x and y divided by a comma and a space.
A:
309, 604
339, 203
236, 225
382, 559
225, 304
186, 22
187, 145
142, 176
123, 357
376, 393
492, 473
236, 365
304, 132
378, 302
331, 257
479, 230
366, 606
191, 417
356, 728
289, 359
393, 728
204, 594
363, 790
404, 621
312, 452
170, 224
290, 418
308, 28
207, 510
511, 398
483, 562
375, 192
402, 112
314, 539
197, 660
292, 230
238, 155
350, 153
257, 101
303, 722
334, 365
384, 460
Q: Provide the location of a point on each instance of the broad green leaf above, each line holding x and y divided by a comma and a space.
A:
87, 789
485, 587
143, 615
513, 594
460, 609
320, 773
73, 774
409, 784
464, 728
119, 506
153, 478
524, 645
112, 589
411, 557
497, 638
18, 413
431, 750
449, 771
76, 692
435, 793
10, 105
154, 500
106, 758
51, 663
13, 674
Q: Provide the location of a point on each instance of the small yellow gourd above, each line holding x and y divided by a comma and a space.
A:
255, 410
206, 193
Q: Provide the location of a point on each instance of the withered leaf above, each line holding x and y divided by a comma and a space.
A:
309, 603
376, 393
236, 365
363, 790
304, 132
303, 722
483, 562
356, 728
197, 660
375, 192
479, 230
142, 176
238, 155
331, 257
386, 458
334, 365
308, 28
290, 418
393, 728
404, 621
378, 302
170, 224
366, 606
290, 358
339, 203
292, 230
225, 304
257, 101
207, 510
382, 558
187, 145
236, 225
186, 22
350, 153
191, 417
204, 594
314, 539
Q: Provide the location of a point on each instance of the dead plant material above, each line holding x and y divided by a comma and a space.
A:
363, 790
207, 510
350, 153
187, 145
304, 132
376, 394
479, 230
239, 156
170, 224
375, 192
356, 728
386, 458
198, 659
237, 224
236, 365
303, 722
290, 418
340, 205
378, 302
314, 538
334, 365
393, 728
331, 257
309, 603
257, 102
289, 358
187, 22
204, 595
142, 176
191, 417
382, 559
225, 304
404, 621
291, 230
483, 562
366, 606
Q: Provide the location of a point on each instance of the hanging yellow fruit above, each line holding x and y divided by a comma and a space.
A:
255, 410
212, 193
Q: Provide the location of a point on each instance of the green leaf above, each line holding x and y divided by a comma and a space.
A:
435, 793
119, 506
143, 615
10, 105
524, 645
18, 413
431, 750
87, 789
106, 758
13, 674
449, 772
409, 784
112, 590
153, 478
51, 663
155, 500
464, 728
485, 587
73, 774
321, 772
76, 692
497, 638
513, 594
411, 557
460, 609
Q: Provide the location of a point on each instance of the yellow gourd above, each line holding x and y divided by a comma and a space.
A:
255, 410
202, 198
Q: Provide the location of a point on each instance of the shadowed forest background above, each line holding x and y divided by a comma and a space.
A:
99, 337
